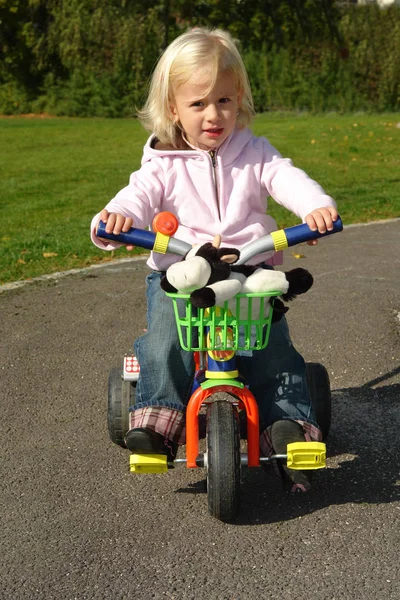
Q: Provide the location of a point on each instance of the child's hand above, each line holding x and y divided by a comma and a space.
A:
321, 219
116, 223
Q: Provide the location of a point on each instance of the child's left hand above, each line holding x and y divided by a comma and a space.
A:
321, 219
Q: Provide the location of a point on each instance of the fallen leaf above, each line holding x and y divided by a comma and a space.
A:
49, 254
296, 255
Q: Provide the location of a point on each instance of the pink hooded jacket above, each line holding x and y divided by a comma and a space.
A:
223, 193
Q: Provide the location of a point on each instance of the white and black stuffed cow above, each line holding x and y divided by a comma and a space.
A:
209, 275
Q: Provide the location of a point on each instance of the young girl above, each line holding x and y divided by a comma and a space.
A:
203, 164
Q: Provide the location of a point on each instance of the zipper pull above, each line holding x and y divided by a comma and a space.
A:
213, 154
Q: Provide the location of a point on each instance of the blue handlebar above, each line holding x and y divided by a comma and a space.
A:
302, 233
283, 238
146, 239
135, 237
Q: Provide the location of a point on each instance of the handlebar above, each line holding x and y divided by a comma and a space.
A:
158, 242
161, 241
284, 238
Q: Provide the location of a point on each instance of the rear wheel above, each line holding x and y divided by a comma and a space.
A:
121, 395
223, 458
320, 392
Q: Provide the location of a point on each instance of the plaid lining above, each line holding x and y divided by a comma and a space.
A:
168, 422
171, 424
311, 434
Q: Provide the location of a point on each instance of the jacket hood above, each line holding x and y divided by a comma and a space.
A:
228, 151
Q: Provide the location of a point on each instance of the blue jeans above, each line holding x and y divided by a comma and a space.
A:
276, 375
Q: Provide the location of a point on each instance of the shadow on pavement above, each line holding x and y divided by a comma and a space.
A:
363, 461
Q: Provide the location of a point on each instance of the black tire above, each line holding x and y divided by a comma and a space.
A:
320, 391
121, 395
223, 458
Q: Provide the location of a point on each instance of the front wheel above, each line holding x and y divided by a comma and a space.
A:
223, 458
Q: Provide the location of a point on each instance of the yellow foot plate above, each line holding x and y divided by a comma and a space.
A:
148, 463
306, 455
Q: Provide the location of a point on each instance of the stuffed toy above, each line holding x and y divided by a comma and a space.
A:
208, 273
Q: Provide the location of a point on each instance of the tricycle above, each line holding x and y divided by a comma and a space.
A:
214, 335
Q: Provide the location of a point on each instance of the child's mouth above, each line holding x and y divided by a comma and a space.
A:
214, 132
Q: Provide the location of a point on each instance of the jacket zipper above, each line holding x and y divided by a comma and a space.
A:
213, 156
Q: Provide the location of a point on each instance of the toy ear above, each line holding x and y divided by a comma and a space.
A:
228, 255
229, 258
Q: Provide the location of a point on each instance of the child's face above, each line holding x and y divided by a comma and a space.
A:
207, 118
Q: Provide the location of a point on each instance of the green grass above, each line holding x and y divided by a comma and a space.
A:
56, 173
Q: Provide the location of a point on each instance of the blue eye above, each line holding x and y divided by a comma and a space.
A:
198, 103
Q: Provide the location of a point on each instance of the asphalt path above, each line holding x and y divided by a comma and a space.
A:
75, 524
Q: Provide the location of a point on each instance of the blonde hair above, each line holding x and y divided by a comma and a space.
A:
212, 50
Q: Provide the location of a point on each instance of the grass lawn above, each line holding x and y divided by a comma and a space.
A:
56, 173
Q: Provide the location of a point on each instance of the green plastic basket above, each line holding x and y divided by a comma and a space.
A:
243, 323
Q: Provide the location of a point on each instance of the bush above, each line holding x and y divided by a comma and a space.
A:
85, 95
363, 74
94, 59
13, 99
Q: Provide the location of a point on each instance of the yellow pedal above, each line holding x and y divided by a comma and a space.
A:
306, 455
148, 463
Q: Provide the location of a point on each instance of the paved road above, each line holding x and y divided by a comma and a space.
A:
76, 524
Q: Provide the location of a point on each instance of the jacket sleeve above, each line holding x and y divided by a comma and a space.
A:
139, 200
289, 186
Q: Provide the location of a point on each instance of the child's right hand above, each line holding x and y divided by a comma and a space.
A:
116, 223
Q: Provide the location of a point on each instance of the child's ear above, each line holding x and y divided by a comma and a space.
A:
173, 113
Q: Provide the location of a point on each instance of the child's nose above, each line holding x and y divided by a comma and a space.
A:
212, 112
